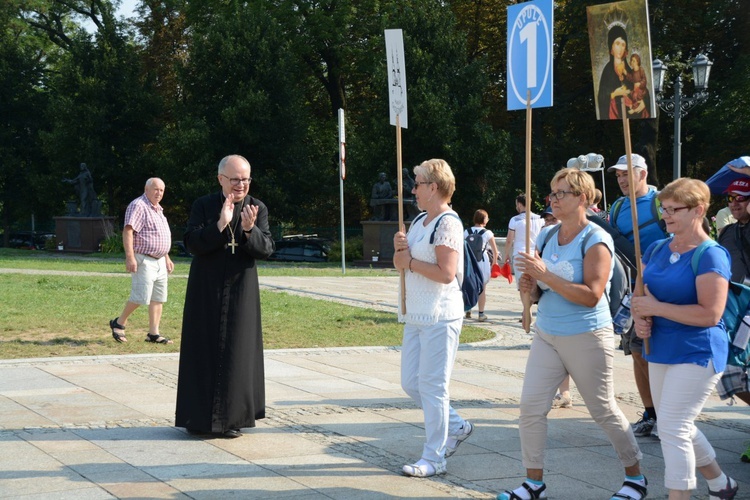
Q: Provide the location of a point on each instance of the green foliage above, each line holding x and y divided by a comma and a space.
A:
190, 82
112, 243
353, 250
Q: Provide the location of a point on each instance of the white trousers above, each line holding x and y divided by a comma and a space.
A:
427, 358
679, 393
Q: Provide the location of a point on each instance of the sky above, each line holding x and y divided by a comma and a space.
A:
127, 7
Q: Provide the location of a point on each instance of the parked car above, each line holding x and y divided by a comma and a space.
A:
301, 248
28, 240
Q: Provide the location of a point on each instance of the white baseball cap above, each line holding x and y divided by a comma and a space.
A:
622, 164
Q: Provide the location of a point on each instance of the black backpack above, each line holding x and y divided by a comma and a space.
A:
619, 283
476, 243
473, 284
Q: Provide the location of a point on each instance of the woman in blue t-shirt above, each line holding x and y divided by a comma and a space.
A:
574, 335
681, 315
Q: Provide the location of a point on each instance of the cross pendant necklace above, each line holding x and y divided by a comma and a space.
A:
234, 244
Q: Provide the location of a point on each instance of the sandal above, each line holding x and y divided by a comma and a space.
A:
120, 337
641, 490
157, 339
727, 493
534, 494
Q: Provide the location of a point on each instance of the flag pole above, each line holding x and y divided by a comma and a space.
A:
639, 291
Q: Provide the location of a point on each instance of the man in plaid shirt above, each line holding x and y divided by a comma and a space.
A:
147, 240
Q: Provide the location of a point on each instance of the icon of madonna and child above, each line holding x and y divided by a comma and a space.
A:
624, 73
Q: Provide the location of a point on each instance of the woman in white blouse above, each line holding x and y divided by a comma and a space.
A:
431, 254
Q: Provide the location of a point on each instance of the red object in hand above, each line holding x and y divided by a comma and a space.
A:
505, 271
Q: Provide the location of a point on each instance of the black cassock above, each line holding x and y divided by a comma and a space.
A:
221, 382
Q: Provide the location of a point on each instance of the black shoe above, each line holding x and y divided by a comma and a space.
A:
232, 434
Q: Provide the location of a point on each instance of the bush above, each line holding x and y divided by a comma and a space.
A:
112, 244
353, 250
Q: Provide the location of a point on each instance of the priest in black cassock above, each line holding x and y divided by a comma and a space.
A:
221, 385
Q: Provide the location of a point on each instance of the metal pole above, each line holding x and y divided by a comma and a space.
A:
677, 117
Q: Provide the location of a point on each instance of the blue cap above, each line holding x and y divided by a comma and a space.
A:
547, 210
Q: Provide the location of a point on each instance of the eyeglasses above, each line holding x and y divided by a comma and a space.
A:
737, 197
417, 184
236, 182
561, 194
671, 210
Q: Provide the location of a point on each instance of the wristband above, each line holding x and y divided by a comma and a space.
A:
410, 265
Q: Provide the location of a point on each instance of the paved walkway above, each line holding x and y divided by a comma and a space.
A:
338, 425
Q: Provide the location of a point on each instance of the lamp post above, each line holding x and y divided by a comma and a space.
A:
680, 104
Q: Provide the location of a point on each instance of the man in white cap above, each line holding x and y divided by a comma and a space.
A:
650, 229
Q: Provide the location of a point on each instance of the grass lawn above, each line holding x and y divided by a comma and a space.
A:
59, 315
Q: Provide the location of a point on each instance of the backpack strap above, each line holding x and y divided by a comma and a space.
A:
699, 253
437, 223
655, 214
548, 237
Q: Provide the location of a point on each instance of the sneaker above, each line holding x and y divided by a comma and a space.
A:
467, 315
424, 468
561, 401
453, 441
643, 427
482, 317
745, 457
655, 431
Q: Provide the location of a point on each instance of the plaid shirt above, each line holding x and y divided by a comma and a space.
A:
151, 231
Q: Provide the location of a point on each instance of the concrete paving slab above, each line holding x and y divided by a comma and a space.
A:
338, 423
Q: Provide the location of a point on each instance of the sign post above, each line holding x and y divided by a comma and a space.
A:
394, 48
529, 85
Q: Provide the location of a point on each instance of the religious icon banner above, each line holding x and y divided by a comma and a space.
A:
620, 44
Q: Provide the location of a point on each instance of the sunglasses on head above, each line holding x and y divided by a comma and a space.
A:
737, 197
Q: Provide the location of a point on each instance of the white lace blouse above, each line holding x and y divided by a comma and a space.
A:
427, 301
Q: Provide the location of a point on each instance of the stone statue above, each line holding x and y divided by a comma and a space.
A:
407, 182
84, 184
381, 193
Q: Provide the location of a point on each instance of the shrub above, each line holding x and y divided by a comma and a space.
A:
112, 244
353, 250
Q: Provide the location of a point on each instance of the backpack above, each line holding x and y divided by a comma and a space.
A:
619, 283
736, 314
614, 211
473, 284
476, 243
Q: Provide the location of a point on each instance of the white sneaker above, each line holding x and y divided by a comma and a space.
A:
424, 468
482, 317
453, 441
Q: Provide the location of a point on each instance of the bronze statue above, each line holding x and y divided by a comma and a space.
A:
84, 184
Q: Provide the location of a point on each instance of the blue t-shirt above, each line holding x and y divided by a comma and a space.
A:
674, 283
644, 205
556, 314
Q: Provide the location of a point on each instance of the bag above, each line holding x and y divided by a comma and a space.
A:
619, 283
736, 315
473, 284
476, 243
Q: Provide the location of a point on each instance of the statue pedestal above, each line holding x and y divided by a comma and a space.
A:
82, 234
377, 241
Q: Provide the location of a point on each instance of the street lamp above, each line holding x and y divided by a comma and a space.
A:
679, 105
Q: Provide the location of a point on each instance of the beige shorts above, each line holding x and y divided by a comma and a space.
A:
149, 282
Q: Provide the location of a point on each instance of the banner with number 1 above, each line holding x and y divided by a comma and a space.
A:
530, 54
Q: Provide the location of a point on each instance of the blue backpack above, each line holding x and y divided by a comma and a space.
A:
736, 310
473, 284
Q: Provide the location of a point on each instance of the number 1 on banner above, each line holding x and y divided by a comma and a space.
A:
528, 35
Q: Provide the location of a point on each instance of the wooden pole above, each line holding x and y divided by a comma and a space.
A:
401, 227
526, 297
638, 292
